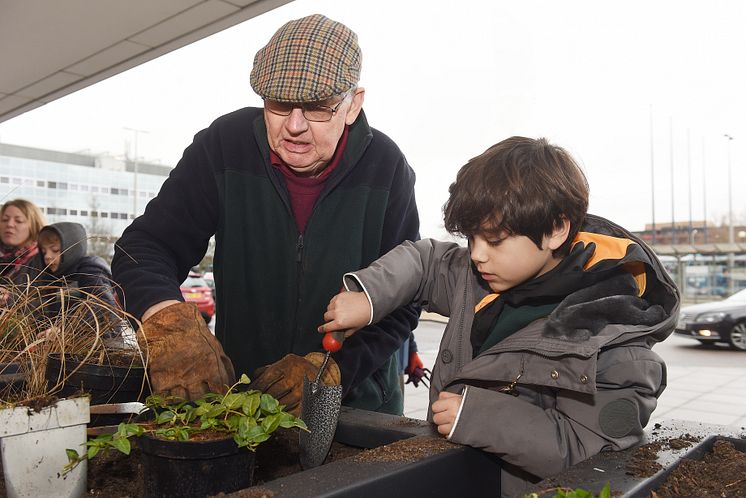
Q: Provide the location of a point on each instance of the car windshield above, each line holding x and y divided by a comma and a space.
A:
739, 296
194, 282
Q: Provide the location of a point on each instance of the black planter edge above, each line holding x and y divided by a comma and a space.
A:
430, 476
610, 466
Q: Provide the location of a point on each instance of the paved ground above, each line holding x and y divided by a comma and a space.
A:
714, 394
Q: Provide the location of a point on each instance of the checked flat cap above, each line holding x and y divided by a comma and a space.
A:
307, 60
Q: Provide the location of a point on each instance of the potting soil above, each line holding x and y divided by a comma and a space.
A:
720, 474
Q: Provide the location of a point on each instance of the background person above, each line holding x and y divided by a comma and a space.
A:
546, 359
64, 249
296, 194
20, 223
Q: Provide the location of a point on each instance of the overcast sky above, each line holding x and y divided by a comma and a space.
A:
446, 80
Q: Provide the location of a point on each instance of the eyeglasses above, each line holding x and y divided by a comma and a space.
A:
312, 112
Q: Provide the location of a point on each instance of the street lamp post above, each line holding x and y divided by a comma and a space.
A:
731, 256
135, 192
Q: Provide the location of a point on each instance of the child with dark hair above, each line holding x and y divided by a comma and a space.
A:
546, 359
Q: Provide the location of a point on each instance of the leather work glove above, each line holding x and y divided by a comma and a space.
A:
416, 370
284, 378
184, 357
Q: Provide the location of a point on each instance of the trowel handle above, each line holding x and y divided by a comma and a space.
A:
332, 341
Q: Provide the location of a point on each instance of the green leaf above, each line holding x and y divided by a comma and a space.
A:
233, 401
269, 404
93, 451
271, 422
606, 491
122, 444
164, 417
216, 411
251, 403
72, 455
244, 379
202, 409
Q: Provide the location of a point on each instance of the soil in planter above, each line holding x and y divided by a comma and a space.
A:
644, 460
719, 474
407, 450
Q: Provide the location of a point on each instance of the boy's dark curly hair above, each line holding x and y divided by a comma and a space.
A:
520, 186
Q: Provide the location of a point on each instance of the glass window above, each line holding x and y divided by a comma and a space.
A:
51, 184
83, 212
4, 179
73, 212
84, 188
104, 214
94, 188
114, 191
41, 183
73, 186
105, 190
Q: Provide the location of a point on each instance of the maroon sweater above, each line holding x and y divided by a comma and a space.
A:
304, 190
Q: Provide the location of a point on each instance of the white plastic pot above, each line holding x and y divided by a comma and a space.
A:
33, 449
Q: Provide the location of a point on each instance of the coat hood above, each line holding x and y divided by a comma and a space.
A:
73, 244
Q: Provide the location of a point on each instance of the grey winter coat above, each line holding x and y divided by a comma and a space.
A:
586, 379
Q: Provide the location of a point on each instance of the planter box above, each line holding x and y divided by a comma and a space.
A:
33, 449
613, 466
431, 474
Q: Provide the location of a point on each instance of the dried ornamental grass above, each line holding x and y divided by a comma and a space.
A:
39, 320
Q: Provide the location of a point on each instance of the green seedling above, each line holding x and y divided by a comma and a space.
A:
576, 493
250, 417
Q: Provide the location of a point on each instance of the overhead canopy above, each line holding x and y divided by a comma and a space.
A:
50, 48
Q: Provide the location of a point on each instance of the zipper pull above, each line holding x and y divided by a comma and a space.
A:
510, 388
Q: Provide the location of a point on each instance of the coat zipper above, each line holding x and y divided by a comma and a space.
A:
299, 246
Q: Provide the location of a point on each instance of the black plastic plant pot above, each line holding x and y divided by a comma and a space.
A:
12, 379
194, 469
105, 383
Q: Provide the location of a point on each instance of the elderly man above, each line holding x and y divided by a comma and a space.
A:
296, 194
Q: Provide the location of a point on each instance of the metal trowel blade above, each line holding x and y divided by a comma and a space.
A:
320, 407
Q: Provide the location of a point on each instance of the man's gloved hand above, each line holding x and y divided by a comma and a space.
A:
416, 370
284, 378
184, 358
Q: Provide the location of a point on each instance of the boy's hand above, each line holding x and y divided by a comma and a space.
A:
348, 311
445, 411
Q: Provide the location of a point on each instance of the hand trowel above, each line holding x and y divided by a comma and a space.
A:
320, 406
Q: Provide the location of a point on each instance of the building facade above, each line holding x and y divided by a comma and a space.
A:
103, 193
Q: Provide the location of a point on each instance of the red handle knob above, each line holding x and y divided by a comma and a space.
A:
332, 341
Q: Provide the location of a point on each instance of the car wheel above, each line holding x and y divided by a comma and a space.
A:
737, 337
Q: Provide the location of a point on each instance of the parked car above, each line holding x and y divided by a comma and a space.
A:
195, 290
719, 321
210, 281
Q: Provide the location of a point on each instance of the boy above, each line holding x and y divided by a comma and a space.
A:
546, 359
64, 249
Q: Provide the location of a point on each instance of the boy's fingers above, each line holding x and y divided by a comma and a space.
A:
445, 429
446, 395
